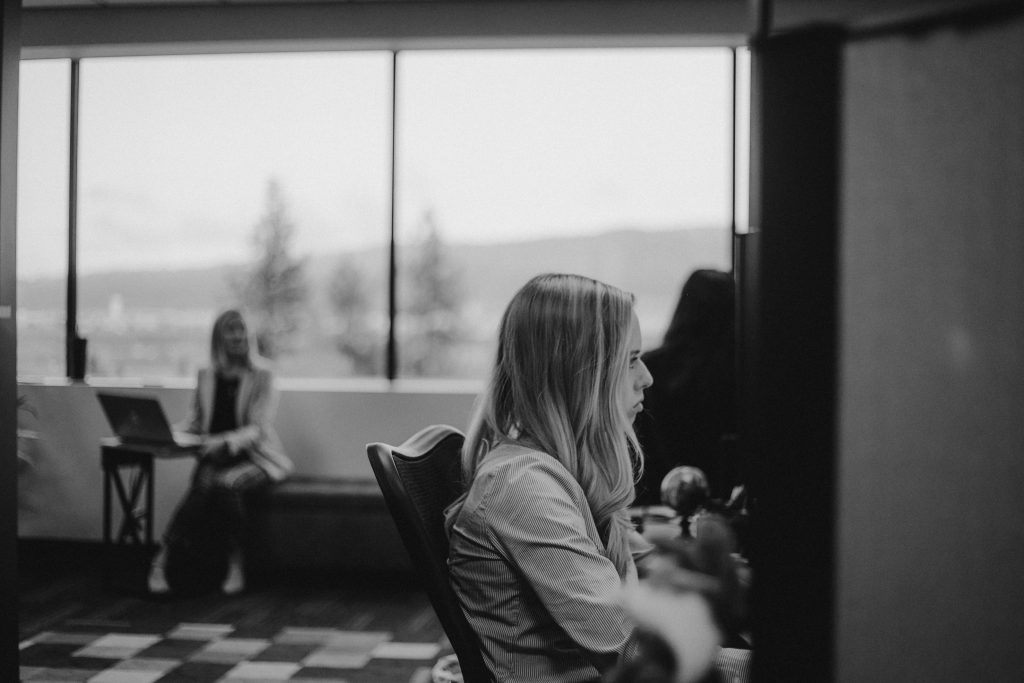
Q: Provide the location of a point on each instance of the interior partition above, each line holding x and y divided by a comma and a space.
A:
931, 440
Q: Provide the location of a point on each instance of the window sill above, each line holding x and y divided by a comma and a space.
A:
369, 385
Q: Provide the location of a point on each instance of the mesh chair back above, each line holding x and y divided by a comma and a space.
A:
419, 478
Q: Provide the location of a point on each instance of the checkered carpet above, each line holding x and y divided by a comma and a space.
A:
204, 653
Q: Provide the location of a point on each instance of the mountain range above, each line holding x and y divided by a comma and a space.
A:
651, 263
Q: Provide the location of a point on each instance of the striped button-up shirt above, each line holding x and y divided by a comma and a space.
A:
530, 570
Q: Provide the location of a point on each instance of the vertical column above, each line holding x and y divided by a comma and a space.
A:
10, 48
73, 344
391, 360
795, 192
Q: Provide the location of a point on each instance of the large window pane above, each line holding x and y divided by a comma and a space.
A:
215, 181
42, 216
610, 163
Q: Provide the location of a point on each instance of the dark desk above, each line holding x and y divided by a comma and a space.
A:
128, 472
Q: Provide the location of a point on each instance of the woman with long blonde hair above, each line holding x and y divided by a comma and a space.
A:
232, 410
541, 541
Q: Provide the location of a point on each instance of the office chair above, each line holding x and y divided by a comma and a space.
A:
419, 479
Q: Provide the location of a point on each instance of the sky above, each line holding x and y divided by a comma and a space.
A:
175, 153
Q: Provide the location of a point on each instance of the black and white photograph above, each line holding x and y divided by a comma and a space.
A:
511, 341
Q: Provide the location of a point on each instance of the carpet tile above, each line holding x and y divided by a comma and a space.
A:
201, 631
212, 653
262, 671
420, 651
45, 674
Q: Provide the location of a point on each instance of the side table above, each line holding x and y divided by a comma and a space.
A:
128, 472
128, 479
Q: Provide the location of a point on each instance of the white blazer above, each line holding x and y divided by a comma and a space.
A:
254, 411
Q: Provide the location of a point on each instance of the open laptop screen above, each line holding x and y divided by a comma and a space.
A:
141, 419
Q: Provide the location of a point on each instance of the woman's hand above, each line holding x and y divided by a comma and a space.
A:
214, 446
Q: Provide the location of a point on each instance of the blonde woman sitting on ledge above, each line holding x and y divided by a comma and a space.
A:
232, 408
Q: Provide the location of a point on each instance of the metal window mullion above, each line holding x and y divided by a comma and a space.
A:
735, 151
71, 305
392, 354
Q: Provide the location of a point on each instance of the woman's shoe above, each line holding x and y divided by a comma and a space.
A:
157, 581
234, 582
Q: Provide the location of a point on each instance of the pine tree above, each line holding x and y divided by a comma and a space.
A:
433, 314
350, 297
273, 289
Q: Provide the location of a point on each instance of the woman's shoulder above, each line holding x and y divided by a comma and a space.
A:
524, 467
261, 370
516, 484
514, 454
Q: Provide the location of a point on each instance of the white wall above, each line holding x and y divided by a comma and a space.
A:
931, 442
324, 431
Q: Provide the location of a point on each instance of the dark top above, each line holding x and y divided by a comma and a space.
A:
690, 411
225, 401
689, 414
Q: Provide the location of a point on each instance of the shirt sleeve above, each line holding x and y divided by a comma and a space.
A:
540, 521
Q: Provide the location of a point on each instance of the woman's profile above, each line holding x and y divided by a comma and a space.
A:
540, 544
232, 408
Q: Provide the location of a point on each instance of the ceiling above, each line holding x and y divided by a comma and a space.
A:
786, 12
83, 28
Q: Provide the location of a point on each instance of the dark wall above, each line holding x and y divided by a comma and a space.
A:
9, 51
931, 438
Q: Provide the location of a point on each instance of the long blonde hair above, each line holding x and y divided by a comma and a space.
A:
562, 356
218, 354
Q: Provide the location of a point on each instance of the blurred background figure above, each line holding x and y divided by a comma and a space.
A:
689, 415
232, 409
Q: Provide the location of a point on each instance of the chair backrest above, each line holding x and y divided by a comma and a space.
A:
419, 478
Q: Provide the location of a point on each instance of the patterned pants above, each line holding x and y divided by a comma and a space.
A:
218, 489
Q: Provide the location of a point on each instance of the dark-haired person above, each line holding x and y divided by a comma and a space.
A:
691, 407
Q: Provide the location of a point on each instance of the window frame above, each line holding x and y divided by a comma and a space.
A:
74, 345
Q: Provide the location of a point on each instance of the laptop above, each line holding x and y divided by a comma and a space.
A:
141, 420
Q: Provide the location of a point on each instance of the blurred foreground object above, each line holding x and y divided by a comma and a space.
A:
688, 604
446, 670
685, 489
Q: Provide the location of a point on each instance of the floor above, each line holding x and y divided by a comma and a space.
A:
80, 621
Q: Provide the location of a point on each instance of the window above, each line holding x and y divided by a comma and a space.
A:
613, 164
265, 181
43, 161
217, 181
